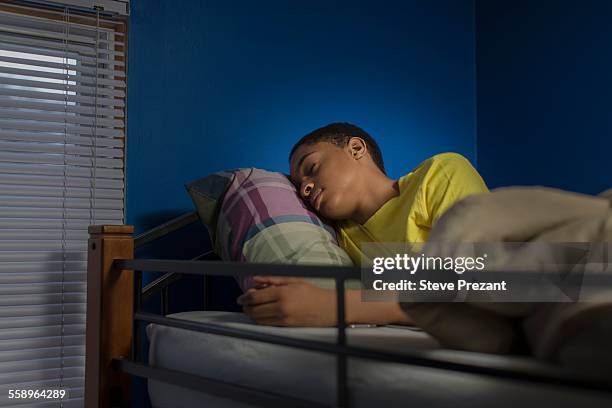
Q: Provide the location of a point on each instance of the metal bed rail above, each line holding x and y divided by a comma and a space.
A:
533, 372
520, 370
163, 282
165, 228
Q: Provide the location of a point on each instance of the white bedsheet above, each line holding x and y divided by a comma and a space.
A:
311, 375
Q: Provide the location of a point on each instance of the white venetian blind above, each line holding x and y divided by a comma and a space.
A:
62, 138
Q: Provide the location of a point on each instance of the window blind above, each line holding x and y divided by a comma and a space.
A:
62, 138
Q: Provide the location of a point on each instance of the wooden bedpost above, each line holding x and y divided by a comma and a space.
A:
110, 312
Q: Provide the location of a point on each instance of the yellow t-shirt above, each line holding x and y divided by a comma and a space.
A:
424, 195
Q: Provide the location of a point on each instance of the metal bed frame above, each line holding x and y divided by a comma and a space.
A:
173, 270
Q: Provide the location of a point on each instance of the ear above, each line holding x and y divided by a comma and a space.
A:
357, 147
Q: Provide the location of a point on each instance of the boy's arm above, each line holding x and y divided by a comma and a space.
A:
295, 302
358, 311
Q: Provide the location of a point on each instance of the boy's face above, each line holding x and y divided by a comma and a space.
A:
327, 178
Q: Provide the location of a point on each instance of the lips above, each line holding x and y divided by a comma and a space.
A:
315, 201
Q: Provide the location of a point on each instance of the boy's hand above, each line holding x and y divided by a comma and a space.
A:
289, 301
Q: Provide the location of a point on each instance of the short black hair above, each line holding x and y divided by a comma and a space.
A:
339, 134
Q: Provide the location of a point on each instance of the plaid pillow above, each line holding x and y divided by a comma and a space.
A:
262, 219
207, 194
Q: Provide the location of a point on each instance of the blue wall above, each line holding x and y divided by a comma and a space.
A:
544, 93
219, 84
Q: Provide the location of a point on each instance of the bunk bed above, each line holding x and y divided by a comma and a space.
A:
221, 359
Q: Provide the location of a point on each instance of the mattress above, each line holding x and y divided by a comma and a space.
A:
311, 375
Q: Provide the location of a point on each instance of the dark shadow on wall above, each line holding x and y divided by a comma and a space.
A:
543, 93
186, 243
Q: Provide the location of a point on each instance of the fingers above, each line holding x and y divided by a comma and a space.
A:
254, 297
268, 314
264, 311
276, 280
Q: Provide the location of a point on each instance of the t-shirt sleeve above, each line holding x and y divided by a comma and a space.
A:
451, 179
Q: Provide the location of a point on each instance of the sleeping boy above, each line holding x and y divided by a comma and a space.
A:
338, 170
